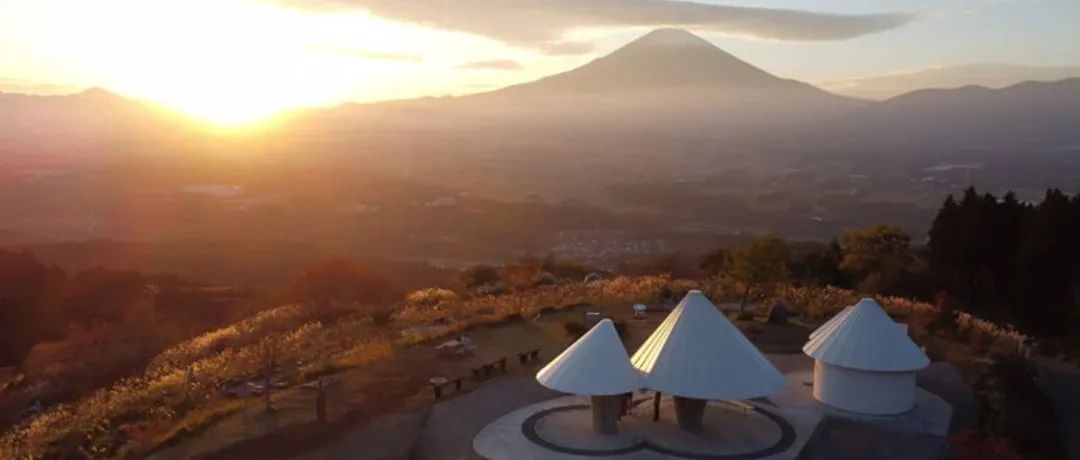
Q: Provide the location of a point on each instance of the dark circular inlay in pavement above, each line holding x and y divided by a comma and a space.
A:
528, 428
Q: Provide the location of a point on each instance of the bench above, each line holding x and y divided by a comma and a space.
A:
437, 384
528, 356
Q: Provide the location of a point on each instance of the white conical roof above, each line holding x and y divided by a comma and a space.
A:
865, 338
828, 324
595, 365
697, 353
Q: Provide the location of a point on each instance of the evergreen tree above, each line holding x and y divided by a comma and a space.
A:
1046, 267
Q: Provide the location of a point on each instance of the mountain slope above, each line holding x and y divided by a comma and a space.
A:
989, 75
91, 116
1026, 113
664, 59
667, 79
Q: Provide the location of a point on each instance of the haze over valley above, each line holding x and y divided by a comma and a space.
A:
667, 144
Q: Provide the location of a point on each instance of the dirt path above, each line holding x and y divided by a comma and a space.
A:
390, 437
360, 394
449, 432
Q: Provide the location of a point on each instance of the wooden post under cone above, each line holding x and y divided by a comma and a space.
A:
689, 412
605, 413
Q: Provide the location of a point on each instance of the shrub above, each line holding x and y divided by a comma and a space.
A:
340, 282
480, 275
980, 340
1024, 412
575, 328
745, 316
381, 316
970, 445
431, 297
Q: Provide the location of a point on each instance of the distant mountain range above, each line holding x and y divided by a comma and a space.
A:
668, 81
92, 116
989, 75
1029, 113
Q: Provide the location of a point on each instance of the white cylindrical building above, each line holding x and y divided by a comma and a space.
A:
864, 362
596, 365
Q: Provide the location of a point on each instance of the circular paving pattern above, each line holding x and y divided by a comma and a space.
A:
769, 434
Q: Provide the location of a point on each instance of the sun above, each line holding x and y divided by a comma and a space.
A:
240, 65
232, 63
226, 62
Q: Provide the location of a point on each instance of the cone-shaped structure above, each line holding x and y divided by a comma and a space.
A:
697, 353
595, 365
864, 337
835, 319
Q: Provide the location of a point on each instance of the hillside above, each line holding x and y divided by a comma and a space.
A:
995, 76
668, 79
1023, 114
359, 356
82, 120
665, 59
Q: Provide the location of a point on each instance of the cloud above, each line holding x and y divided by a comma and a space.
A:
368, 54
541, 24
495, 64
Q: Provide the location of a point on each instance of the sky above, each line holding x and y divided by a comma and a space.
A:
235, 61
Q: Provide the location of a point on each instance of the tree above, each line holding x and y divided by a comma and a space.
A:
763, 261
340, 281
520, 274
974, 245
819, 265
266, 354
1045, 291
715, 262
878, 254
102, 295
28, 298
480, 275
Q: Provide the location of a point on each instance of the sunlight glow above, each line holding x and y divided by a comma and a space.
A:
234, 62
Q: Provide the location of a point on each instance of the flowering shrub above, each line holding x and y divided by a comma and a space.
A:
430, 297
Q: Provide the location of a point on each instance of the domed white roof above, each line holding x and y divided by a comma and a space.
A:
864, 337
595, 365
697, 353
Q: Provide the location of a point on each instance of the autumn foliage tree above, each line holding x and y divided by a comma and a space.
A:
28, 298
878, 255
761, 262
340, 283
